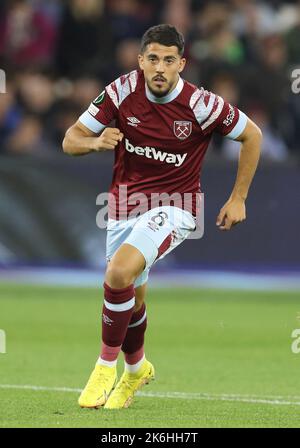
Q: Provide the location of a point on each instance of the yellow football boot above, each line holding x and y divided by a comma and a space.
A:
99, 386
129, 383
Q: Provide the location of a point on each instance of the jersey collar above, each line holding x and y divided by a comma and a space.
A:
167, 98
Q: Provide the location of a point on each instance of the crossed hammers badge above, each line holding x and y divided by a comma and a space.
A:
182, 129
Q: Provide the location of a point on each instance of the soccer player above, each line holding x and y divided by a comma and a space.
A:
162, 131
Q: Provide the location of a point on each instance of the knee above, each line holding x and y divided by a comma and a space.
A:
118, 276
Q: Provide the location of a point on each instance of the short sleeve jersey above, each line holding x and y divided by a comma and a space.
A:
165, 139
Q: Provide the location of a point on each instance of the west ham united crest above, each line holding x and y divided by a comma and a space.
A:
182, 129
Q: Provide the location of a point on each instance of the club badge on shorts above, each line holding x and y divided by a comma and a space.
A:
182, 129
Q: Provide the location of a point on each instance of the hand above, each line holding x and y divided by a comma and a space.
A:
233, 212
108, 140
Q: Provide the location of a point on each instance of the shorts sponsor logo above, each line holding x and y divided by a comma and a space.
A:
156, 154
153, 226
182, 129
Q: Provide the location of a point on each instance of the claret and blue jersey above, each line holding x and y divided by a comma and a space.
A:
165, 139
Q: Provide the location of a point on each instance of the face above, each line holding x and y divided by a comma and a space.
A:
161, 66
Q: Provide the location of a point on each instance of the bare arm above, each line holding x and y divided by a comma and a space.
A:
234, 210
79, 140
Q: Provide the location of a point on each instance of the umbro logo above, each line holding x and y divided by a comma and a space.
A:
132, 121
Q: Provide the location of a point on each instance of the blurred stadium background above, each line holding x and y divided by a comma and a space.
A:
58, 56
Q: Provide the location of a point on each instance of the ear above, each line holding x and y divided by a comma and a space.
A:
141, 61
181, 64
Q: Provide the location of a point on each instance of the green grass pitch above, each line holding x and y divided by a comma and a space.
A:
222, 359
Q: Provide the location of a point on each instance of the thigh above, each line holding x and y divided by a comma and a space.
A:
126, 265
117, 232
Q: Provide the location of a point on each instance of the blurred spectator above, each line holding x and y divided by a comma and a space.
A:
206, 22
292, 120
214, 46
253, 18
269, 82
10, 115
288, 16
61, 54
292, 39
126, 55
35, 92
27, 36
51, 8
27, 137
129, 19
84, 90
65, 114
214, 15
178, 13
226, 85
224, 46
85, 44
70, 106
